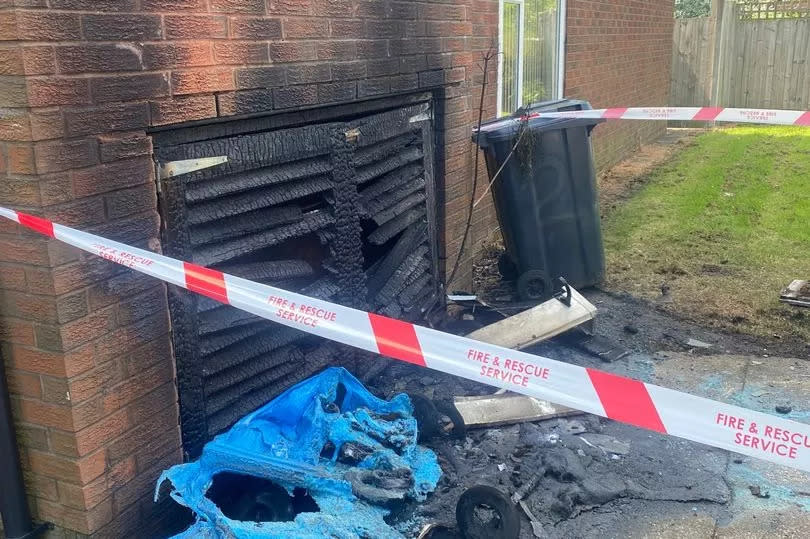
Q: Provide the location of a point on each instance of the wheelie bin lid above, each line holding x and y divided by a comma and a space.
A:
508, 127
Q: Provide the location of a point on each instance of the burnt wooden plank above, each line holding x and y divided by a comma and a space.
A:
246, 223
397, 225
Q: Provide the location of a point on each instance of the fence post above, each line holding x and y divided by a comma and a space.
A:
720, 30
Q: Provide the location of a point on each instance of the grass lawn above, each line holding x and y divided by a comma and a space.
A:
726, 225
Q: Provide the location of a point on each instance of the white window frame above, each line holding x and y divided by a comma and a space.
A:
559, 89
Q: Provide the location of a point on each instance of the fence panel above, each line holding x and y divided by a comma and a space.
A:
742, 60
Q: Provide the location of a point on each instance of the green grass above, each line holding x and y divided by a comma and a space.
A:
726, 224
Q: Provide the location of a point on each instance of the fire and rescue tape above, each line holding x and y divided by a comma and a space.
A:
616, 397
707, 114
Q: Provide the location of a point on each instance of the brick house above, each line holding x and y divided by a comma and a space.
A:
94, 92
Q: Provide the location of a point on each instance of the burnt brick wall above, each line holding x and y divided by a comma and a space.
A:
619, 54
81, 82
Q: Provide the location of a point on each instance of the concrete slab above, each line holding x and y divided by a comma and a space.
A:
717, 377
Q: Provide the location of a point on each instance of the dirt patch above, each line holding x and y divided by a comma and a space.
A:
625, 178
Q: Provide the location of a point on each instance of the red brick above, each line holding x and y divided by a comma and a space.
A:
371, 87
94, 382
260, 77
337, 50
24, 249
46, 124
164, 6
131, 201
441, 12
85, 522
195, 26
305, 28
90, 58
58, 91
13, 90
79, 214
239, 53
291, 7
139, 307
99, 434
44, 487
112, 176
332, 8
381, 68
29, 306
20, 159
15, 124
38, 60
24, 384
12, 277
337, 92
158, 56
245, 102
292, 51
142, 357
44, 414
125, 146
113, 117
92, 494
55, 189
129, 27
56, 156
87, 329
202, 81
257, 28
349, 70
129, 87
20, 193
136, 386
94, 5
142, 409
295, 96
157, 430
48, 26
55, 391
183, 109
343, 28
8, 26
402, 83
308, 73
237, 6
16, 331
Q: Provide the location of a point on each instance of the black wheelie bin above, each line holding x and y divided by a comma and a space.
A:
545, 197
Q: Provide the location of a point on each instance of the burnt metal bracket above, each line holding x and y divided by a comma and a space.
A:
171, 169
564, 296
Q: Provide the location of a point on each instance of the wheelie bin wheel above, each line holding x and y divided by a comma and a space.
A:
535, 285
485, 512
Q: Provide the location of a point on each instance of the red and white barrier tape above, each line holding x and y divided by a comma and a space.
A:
708, 114
623, 399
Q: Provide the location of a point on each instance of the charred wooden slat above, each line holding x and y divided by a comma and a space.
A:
392, 310
255, 179
239, 373
425, 299
326, 235
368, 173
324, 288
214, 210
247, 223
397, 225
391, 181
272, 270
380, 127
272, 338
288, 360
285, 376
391, 197
380, 273
411, 293
423, 267
210, 344
222, 252
397, 282
385, 149
248, 152
223, 318
399, 208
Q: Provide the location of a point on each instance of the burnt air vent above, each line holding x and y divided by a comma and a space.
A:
339, 210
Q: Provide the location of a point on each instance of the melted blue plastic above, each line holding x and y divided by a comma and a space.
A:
283, 442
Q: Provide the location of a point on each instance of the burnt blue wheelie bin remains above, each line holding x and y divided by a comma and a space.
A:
545, 197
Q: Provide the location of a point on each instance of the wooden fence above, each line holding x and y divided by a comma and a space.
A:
734, 60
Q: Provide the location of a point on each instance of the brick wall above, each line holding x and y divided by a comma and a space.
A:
81, 81
619, 54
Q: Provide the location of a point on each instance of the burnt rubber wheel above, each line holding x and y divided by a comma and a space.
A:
449, 409
426, 415
485, 512
507, 267
535, 285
